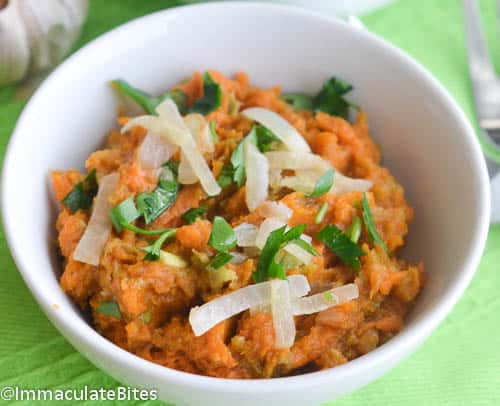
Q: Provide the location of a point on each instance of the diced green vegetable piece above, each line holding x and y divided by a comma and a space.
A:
123, 213
370, 224
109, 309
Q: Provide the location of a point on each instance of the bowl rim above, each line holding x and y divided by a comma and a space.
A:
399, 346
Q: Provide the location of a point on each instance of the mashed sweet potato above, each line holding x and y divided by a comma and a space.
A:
153, 298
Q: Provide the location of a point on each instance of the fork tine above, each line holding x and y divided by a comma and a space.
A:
480, 64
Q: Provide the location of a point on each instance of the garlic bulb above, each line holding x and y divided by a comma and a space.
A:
35, 35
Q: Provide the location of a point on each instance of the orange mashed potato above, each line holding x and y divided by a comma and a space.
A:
154, 299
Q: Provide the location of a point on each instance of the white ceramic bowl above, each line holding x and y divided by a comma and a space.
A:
426, 142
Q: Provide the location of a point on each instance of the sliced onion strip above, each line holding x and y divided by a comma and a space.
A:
281, 309
292, 139
257, 171
203, 318
154, 151
96, 234
245, 234
275, 209
324, 300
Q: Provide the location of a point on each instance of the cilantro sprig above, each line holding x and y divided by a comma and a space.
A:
152, 204
222, 238
330, 99
82, 195
341, 245
263, 138
267, 266
190, 216
153, 250
211, 99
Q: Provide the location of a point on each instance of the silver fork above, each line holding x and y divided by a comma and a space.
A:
486, 88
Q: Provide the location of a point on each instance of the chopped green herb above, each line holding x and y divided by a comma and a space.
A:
109, 309
261, 137
219, 260
226, 176
212, 125
173, 166
153, 250
142, 231
330, 99
370, 225
328, 296
211, 99
222, 237
324, 184
123, 213
191, 215
267, 267
145, 317
153, 204
82, 195
341, 245
321, 213
149, 102
238, 164
354, 230
298, 101
264, 139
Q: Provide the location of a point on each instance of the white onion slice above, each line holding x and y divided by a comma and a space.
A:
245, 234
281, 309
203, 318
292, 139
343, 184
96, 234
169, 124
266, 227
275, 209
257, 171
324, 300
154, 151
297, 161
238, 258
200, 131
186, 174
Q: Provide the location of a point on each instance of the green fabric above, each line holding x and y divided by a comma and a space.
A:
458, 365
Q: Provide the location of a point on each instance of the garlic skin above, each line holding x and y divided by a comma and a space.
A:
36, 35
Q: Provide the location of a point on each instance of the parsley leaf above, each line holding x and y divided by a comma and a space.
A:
109, 309
191, 215
354, 230
153, 204
264, 138
267, 267
149, 102
226, 176
330, 99
211, 99
238, 163
153, 250
82, 195
324, 184
341, 245
222, 236
370, 225
219, 260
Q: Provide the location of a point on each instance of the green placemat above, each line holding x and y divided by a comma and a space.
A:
458, 365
